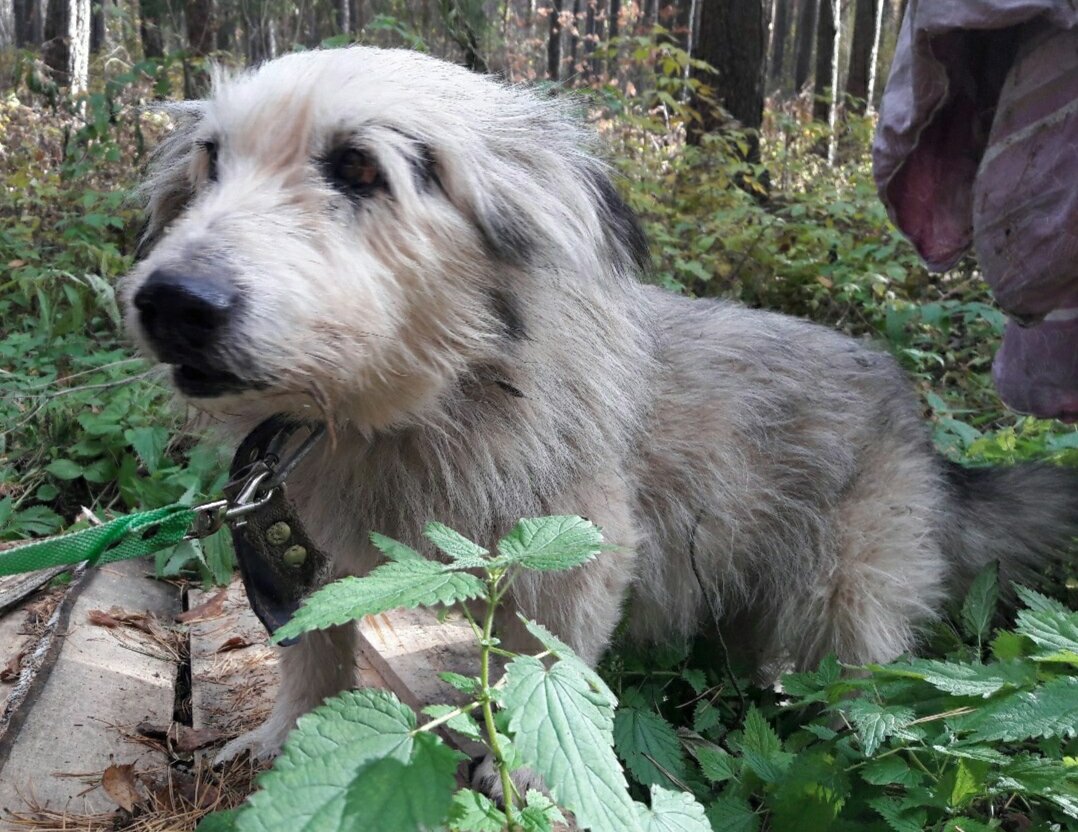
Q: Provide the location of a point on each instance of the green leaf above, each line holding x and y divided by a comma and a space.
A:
980, 603
758, 735
812, 793
394, 549
474, 812
969, 679
732, 814
888, 770
564, 652
1007, 646
962, 782
1054, 632
716, 763
461, 723
464, 553
967, 825
540, 814
875, 723
649, 746
1049, 711
307, 787
224, 821
392, 796
37, 520
899, 817
563, 730
64, 469
672, 811
410, 583
551, 543
1037, 602
149, 444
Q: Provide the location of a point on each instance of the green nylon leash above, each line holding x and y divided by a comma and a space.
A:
130, 536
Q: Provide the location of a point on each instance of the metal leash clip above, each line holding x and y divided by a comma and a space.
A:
255, 481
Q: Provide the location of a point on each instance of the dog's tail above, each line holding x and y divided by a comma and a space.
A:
1021, 516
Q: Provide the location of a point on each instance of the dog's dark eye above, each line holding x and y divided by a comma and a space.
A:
353, 172
210, 149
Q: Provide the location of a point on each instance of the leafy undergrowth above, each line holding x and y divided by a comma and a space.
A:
986, 738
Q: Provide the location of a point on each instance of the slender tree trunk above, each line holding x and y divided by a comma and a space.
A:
836, 84
344, 16
150, 14
23, 12
574, 39
98, 26
825, 50
78, 31
806, 37
591, 36
553, 46
874, 61
201, 38
56, 49
732, 38
779, 31
864, 29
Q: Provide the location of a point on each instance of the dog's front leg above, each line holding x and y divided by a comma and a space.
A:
320, 665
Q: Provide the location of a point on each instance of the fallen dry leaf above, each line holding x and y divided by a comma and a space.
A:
117, 617
211, 608
234, 643
119, 784
191, 739
100, 618
12, 669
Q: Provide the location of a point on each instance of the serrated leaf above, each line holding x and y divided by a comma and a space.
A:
474, 812
465, 684
1037, 602
564, 652
875, 723
811, 795
716, 764
551, 543
758, 735
394, 549
463, 724
649, 746
705, 716
464, 553
672, 811
1007, 646
392, 796
307, 787
1049, 711
149, 443
1055, 633
732, 814
696, 678
888, 770
984, 753
540, 814
971, 679
898, 817
962, 782
410, 583
979, 606
563, 730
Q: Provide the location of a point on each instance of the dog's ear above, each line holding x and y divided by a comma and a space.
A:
167, 188
625, 235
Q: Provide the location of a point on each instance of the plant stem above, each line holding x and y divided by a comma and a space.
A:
488, 711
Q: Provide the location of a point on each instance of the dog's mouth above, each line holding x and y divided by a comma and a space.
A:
203, 383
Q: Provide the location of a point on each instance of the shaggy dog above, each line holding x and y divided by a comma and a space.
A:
437, 264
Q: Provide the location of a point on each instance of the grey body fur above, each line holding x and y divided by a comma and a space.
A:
478, 338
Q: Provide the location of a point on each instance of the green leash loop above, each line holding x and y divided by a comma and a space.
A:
130, 536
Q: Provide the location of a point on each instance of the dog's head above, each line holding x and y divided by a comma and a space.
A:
350, 230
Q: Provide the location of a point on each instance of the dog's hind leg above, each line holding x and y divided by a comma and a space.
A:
320, 665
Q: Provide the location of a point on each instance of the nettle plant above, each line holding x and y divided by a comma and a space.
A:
363, 760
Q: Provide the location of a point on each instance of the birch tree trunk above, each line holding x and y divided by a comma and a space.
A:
875, 59
836, 84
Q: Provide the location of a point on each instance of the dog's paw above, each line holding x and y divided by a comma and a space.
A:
485, 780
263, 743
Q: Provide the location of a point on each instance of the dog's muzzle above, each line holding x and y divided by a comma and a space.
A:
189, 319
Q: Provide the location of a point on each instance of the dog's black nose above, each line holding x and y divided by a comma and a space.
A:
185, 315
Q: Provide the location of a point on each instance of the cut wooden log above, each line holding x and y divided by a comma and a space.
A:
97, 683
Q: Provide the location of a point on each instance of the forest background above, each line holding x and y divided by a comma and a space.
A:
741, 130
